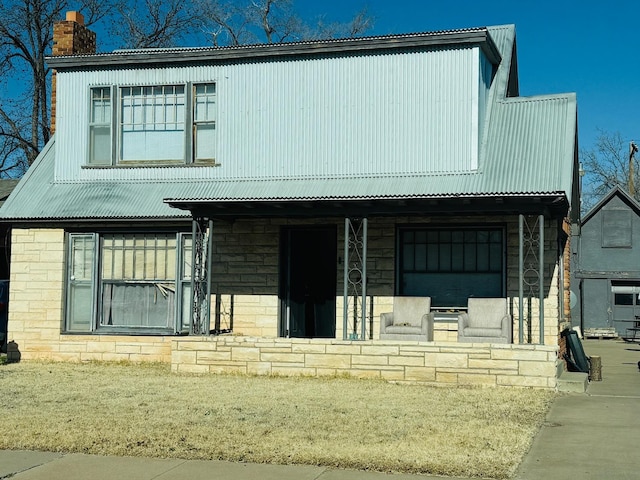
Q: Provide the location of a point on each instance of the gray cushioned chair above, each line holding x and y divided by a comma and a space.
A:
486, 321
411, 319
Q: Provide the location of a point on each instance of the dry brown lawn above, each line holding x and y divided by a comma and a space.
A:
145, 410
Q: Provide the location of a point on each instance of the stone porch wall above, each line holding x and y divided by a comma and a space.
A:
425, 362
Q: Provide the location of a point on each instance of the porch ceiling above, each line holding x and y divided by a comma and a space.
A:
549, 205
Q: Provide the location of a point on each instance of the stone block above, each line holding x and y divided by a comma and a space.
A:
537, 369
245, 354
328, 361
208, 357
344, 349
493, 364
364, 373
130, 348
518, 354
380, 350
420, 374
450, 360
308, 348
184, 357
417, 361
283, 357
359, 360
446, 377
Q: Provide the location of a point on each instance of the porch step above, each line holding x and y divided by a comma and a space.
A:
573, 382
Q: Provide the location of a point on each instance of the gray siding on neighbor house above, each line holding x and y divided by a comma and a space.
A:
609, 242
606, 256
316, 117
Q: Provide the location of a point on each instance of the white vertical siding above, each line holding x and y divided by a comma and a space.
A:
400, 113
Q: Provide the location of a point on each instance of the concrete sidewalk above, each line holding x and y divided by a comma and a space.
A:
594, 435
586, 436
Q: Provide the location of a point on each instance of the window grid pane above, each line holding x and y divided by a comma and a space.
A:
152, 123
139, 257
204, 122
454, 251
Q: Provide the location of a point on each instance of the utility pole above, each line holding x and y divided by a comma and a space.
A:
633, 148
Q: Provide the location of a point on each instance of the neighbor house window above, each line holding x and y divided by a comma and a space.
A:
451, 264
128, 281
616, 228
155, 124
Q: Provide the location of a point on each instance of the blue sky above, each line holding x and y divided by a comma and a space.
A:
587, 47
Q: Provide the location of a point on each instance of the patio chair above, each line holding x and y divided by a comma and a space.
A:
486, 321
411, 320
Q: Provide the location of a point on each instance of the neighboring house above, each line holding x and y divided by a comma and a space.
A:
606, 266
6, 187
228, 198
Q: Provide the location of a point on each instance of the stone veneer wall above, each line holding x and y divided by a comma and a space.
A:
424, 362
245, 265
36, 309
246, 270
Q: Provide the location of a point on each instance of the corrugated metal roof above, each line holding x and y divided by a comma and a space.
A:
528, 150
38, 197
478, 36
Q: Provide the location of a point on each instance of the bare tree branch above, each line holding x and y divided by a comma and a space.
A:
606, 166
238, 22
154, 23
26, 36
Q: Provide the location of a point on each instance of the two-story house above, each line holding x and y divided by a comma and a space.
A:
285, 194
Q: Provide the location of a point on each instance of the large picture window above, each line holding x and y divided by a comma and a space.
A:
152, 123
128, 281
451, 264
155, 124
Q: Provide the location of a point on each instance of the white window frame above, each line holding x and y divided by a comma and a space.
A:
98, 121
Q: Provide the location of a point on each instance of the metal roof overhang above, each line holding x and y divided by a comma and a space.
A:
158, 57
551, 205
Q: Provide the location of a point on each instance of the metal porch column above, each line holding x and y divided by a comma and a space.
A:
201, 260
355, 279
541, 275
521, 279
531, 271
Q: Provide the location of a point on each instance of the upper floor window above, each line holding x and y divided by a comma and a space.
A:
100, 126
153, 124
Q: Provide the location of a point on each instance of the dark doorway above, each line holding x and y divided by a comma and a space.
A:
308, 282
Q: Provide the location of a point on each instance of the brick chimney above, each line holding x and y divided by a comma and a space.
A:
70, 37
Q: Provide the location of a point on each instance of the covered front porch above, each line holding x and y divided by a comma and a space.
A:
344, 262
301, 293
